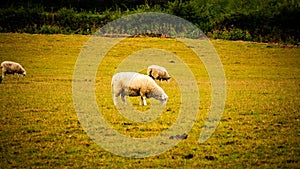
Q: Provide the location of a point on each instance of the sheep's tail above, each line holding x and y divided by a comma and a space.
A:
112, 83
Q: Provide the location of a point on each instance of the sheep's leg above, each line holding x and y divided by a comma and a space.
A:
116, 95
143, 100
3, 74
123, 98
115, 100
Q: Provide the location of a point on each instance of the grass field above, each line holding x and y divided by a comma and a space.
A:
259, 127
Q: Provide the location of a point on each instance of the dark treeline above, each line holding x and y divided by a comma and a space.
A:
90, 5
251, 20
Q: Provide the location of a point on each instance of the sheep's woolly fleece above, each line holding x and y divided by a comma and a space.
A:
9, 67
136, 84
158, 73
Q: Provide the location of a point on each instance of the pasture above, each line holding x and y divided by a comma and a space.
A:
259, 128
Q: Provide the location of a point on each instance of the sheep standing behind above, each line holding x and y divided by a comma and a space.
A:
136, 84
158, 73
9, 67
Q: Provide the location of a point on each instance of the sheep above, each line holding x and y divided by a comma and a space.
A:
158, 73
9, 67
136, 84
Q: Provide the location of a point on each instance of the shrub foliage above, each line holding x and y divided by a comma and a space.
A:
252, 20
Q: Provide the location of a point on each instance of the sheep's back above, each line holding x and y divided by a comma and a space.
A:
157, 68
12, 66
132, 80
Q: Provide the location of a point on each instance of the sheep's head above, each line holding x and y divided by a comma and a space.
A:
164, 99
24, 73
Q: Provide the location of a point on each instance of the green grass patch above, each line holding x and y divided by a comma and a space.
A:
259, 128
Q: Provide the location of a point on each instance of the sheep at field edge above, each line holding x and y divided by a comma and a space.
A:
158, 73
9, 67
136, 84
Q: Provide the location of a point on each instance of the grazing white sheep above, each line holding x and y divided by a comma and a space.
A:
9, 67
136, 84
158, 73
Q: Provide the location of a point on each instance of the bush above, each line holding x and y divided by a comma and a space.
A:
47, 29
255, 20
232, 34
